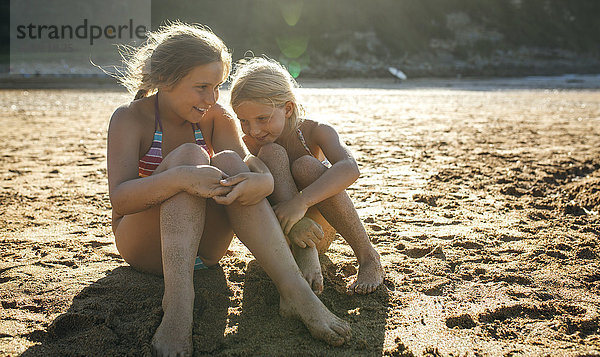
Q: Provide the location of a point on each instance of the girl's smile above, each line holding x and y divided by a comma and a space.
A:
202, 111
263, 122
197, 91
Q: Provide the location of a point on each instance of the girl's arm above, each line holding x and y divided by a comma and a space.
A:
249, 187
343, 172
130, 194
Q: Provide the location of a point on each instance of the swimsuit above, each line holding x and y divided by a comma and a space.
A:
199, 264
153, 157
303, 141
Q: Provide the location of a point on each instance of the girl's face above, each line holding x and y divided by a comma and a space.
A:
193, 94
263, 122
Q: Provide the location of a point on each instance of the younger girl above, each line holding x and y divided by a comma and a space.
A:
309, 192
167, 152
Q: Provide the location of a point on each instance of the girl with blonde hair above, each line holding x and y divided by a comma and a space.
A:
311, 167
168, 152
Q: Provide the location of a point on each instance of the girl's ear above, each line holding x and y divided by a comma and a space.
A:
289, 109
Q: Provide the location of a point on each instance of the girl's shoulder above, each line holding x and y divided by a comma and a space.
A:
310, 124
217, 109
218, 112
139, 113
314, 130
307, 126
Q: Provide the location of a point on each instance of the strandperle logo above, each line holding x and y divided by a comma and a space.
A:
127, 31
73, 37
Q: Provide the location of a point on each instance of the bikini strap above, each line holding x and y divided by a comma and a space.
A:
156, 116
197, 131
303, 141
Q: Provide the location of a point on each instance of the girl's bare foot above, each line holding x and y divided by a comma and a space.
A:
321, 323
308, 262
370, 275
173, 337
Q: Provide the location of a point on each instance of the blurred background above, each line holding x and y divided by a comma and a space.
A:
423, 38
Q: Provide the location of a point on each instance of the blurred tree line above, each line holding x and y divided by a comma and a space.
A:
364, 36
326, 33
402, 25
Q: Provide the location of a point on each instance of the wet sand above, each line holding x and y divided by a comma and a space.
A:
482, 200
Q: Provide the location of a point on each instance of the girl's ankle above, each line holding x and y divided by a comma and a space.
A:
367, 255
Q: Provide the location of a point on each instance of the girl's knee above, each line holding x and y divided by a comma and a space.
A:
307, 169
187, 154
229, 162
272, 152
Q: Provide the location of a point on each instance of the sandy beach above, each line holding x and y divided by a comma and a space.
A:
482, 197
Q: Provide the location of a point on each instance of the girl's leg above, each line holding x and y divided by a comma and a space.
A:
257, 227
276, 159
341, 214
217, 235
165, 240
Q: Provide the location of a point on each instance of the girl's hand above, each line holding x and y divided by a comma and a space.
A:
290, 212
247, 188
204, 181
306, 233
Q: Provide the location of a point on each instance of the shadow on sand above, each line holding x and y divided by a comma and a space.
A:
261, 331
118, 314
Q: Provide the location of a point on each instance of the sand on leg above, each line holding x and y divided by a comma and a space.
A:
307, 258
164, 239
258, 228
181, 225
339, 211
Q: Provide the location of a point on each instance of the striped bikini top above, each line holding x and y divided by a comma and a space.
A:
153, 157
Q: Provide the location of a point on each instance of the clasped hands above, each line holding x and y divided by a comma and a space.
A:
301, 230
249, 188
246, 188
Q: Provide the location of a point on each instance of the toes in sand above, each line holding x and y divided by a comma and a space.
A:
173, 337
321, 323
370, 276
